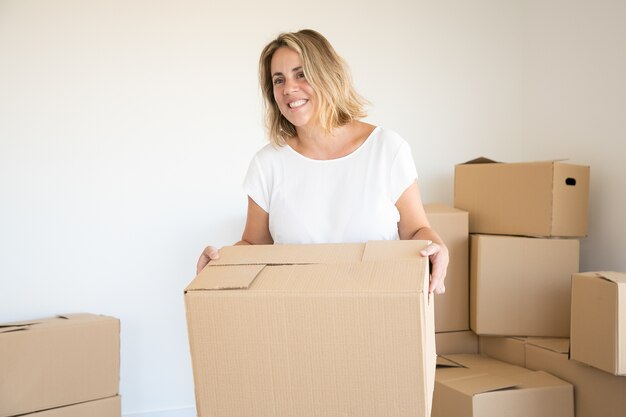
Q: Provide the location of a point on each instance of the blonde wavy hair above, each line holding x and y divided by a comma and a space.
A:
325, 71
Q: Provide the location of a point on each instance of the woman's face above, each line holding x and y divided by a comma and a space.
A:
292, 92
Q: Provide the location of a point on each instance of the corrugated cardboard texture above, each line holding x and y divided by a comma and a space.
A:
108, 407
521, 286
529, 199
597, 393
317, 338
289, 254
452, 308
485, 387
599, 320
58, 361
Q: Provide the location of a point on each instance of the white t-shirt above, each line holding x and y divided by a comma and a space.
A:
349, 199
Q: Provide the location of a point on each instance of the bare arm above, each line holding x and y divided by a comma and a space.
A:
256, 232
414, 224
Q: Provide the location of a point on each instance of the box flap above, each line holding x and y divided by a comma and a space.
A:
616, 277
480, 160
444, 362
539, 379
289, 254
410, 276
225, 277
554, 344
47, 322
5, 328
480, 383
383, 250
473, 361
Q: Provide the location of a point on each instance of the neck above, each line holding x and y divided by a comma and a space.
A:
315, 135
314, 142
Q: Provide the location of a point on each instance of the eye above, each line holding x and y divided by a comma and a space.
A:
300, 75
277, 81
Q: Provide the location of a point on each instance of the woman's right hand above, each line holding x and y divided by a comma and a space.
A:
209, 253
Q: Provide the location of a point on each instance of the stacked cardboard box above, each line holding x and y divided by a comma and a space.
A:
523, 222
474, 385
452, 308
520, 267
520, 286
530, 286
304, 330
62, 366
523, 199
599, 320
596, 392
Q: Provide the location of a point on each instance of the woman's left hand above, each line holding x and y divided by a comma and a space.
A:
439, 257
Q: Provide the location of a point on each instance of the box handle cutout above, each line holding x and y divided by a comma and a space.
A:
570, 181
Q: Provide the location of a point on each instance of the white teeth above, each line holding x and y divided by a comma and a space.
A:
297, 103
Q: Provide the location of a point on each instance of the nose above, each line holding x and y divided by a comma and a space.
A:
290, 86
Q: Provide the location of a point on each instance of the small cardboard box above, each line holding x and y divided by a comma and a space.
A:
313, 330
58, 361
521, 286
529, 199
599, 320
596, 393
452, 307
107, 407
475, 385
464, 341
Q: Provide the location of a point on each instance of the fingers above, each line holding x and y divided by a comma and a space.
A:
211, 253
431, 249
436, 280
438, 256
208, 254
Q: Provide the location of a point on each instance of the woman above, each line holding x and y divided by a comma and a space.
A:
327, 176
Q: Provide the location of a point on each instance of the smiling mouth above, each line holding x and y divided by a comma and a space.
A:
297, 103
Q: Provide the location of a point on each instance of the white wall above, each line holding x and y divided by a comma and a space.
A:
574, 106
126, 128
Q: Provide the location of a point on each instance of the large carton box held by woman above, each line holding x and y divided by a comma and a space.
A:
107, 407
313, 330
529, 199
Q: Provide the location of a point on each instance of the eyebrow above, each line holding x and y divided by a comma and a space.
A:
280, 73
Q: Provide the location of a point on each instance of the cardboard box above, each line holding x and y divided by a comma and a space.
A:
107, 407
511, 350
521, 286
456, 342
452, 307
529, 199
313, 330
475, 385
596, 393
58, 361
599, 320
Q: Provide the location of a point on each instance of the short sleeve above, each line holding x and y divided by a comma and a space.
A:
403, 171
255, 185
